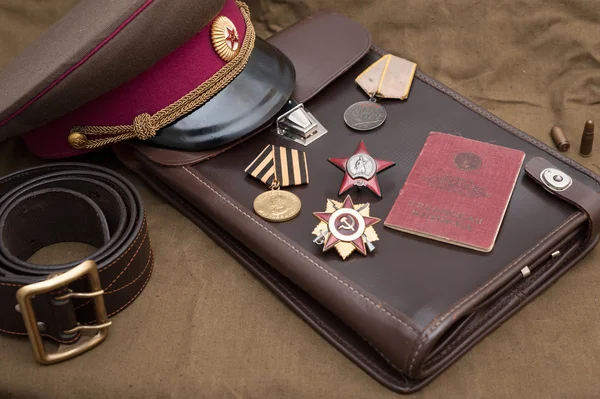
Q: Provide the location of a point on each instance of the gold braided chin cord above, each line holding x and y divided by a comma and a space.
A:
145, 125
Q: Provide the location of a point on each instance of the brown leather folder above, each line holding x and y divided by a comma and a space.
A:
414, 306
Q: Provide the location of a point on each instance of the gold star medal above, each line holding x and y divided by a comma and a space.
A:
346, 227
279, 167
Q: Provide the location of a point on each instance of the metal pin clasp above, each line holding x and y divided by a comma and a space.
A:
275, 185
320, 240
299, 125
369, 244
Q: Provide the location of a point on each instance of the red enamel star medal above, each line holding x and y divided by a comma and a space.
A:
346, 227
361, 170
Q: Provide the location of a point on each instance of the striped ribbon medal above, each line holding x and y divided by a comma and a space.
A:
279, 167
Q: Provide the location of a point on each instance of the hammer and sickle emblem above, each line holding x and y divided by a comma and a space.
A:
347, 226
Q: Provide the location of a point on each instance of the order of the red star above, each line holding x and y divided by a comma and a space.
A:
348, 182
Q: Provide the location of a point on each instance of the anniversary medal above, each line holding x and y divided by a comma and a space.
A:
279, 167
361, 170
389, 77
346, 227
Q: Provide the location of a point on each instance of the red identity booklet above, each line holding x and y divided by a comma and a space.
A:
457, 191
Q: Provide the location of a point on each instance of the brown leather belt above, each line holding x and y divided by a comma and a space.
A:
69, 202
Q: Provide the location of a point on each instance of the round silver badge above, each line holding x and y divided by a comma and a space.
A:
365, 115
361, 166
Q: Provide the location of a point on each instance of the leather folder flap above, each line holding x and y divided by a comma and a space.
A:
568, 188
321, 47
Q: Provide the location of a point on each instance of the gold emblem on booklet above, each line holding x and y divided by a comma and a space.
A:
279, 167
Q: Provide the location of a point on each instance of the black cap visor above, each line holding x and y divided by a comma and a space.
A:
254, 97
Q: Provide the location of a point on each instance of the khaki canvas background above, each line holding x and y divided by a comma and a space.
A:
204, 327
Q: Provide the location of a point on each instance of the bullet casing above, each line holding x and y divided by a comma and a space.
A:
587, 139
559, 138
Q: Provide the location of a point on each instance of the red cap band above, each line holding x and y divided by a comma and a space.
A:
167, 81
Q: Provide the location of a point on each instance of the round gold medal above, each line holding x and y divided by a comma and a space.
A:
277, 206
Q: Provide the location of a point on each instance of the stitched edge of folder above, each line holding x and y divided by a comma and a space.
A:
320, 322
432, 327
308, 258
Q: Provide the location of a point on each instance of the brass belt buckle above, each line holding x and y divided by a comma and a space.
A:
26, 293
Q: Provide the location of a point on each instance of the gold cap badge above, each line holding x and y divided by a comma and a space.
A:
225, 38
